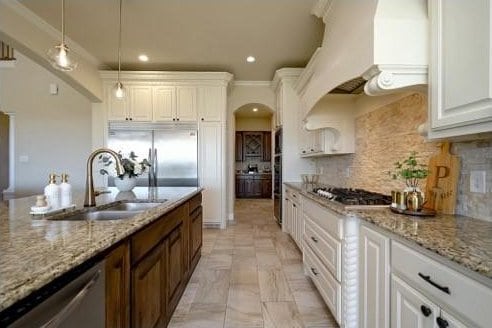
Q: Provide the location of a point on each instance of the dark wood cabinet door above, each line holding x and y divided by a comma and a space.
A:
266, 186
149, 289
118, 287
253, 145
267, 146
239, 147
256, 188
175, 267
196, 232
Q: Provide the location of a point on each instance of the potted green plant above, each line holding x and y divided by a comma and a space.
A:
132, 169
412, 172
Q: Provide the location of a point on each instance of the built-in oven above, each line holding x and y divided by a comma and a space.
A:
277, 178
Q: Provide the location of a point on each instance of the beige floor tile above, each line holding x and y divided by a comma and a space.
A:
281, 315
245, 277
273, 286
205, 316
219, 261
268, 260
213, 286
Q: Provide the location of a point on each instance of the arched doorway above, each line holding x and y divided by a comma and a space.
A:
253, 126
4, 152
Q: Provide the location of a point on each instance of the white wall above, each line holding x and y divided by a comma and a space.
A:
253, 123
53, 131
242, 93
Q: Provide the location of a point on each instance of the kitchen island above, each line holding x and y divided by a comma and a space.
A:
36, 251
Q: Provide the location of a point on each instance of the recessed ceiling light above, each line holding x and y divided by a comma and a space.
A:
143, 58
255, 109
250, 59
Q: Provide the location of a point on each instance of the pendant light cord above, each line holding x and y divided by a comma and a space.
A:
119, 47
63, 23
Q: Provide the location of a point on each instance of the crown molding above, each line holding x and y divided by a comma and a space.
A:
157, 76
322, 8
285, 75
307, 73
251, 83
50, 30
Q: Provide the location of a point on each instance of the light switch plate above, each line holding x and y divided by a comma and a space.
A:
477, 181
23, 159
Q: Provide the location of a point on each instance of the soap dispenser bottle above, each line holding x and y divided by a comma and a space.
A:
52, 192
65, 191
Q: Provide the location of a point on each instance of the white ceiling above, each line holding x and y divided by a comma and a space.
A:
247, 111
194, 35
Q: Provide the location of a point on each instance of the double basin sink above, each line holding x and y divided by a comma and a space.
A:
117, 211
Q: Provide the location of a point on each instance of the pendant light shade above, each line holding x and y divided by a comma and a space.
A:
119, 90
59, 56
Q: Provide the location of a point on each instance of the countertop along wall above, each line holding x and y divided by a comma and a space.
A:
53, 131
389, 134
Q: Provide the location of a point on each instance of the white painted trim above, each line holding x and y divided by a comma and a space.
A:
285, 75
222, 78
321, 9
386, 79
252, 83
307, 73
231, 216
11, 188
7, 63
50, 30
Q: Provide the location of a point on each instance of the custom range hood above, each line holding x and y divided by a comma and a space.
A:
375, 47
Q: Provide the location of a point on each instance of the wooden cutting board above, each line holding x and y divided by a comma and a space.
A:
442, 181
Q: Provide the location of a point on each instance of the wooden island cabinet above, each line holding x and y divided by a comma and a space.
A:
147, 273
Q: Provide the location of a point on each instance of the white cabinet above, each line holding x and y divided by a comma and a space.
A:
322, 142
409, 308
212, 172
279, 101
374, 279
186, 110
211, 101
141, 103
164, 103
294, 220
310, 142
135, 106
460, 85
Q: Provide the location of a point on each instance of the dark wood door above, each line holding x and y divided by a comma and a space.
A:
118, 287
175, 267
196, 232
253, 145
266, 187
239, 147
149, 289
267, 146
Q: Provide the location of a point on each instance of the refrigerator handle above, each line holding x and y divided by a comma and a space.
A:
151, 162
155, 167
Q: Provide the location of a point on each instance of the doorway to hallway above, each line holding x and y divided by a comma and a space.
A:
4, 152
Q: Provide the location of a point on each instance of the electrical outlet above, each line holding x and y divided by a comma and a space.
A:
477, 181
23, 159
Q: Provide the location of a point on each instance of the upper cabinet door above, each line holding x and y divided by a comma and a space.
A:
186, 104
141, 103
211, 102
164, 103
460, 75
117, 108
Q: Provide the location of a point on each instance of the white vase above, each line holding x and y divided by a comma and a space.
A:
125, 184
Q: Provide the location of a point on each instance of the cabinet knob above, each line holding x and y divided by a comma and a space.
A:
174, 119
203, 119
312, 149
426, 311
442, 323
313, 270
177, 119
314, 239
126, 118
131, 119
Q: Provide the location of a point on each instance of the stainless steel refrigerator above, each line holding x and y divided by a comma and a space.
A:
172, 151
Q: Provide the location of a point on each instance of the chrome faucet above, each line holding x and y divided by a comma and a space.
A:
90, 194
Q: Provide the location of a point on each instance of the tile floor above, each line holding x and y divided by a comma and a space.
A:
250, 275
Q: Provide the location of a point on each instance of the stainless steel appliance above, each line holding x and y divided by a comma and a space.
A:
172, 151
353, 198
80, 303
277, 178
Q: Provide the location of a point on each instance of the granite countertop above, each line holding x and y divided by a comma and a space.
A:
33, 252
463, 240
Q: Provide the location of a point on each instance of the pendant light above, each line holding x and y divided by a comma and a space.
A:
119, 91
59, 55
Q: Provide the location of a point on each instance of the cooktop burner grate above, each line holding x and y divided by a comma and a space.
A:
350, 196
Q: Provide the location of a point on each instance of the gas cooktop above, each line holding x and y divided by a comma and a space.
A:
353, 198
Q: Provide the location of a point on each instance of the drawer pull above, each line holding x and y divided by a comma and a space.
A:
426, 311
294, 205
314, 271
314, 239
442, 323
429, 280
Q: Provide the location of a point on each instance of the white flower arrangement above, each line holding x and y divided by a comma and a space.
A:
131, 166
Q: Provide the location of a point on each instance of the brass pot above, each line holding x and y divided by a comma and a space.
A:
415, 201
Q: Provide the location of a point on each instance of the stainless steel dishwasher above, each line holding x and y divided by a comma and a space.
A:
81, 303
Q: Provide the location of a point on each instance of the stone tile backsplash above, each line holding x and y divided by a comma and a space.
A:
389, 134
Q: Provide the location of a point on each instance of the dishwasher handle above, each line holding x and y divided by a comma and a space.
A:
72, 305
